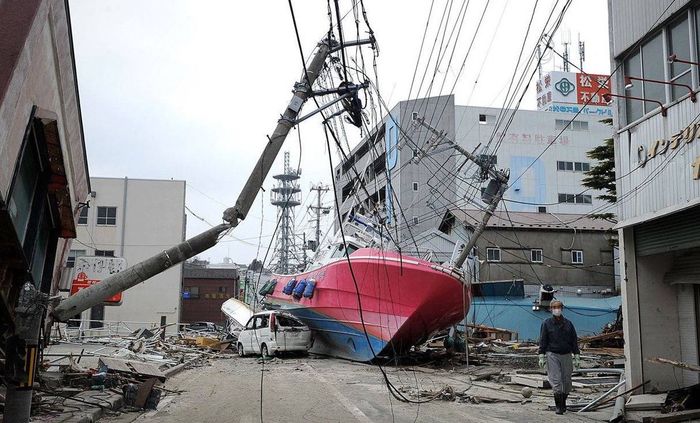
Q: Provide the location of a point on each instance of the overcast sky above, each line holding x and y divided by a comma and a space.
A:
189, 89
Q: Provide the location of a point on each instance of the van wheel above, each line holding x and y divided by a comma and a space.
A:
241, 353
264, 352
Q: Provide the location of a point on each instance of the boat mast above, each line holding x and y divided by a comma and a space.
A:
499, 179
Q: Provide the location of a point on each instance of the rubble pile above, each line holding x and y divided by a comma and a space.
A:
102, 374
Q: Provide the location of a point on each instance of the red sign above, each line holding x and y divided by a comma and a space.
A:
587, 85
81, 281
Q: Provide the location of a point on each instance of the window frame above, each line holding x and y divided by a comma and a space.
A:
86, 209
574, 253
106, 218
103, 253
536, 250
489, 250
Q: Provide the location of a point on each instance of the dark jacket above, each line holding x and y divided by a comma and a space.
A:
558, 335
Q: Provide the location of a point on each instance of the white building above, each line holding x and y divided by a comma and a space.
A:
135, 219
657, 155
548, 183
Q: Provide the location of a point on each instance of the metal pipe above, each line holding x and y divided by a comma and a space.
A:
600, 398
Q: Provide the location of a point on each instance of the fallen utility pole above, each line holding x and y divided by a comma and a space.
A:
17, 407
499, 179
144, 270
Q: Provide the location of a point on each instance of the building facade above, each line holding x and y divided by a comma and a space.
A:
43, 166
204, 290
416, 183
134, 219
567, 251
657, 156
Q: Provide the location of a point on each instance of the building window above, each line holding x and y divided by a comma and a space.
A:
536, 255
486, 119
193, 292
107, 216
83, 216
634, 108
72, 255
493, 254
415, 186
415, 220
104, 253
679, 44
576, 257
585, 167
575, 198
542, 209
574, 125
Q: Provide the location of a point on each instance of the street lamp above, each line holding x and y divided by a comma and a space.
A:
606, 98
628, 84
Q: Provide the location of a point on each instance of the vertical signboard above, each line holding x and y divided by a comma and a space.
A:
391, 144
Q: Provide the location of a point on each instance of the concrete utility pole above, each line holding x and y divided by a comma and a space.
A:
140, 272
17, 407
318, 209
499, 180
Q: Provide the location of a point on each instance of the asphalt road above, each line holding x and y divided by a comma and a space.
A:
327, 390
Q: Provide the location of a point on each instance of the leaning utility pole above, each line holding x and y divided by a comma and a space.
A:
18, 407
140, 272
497, 186
318, 209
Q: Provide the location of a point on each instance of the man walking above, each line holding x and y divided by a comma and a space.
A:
559, 352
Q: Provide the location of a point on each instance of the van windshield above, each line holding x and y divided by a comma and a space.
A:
289, 322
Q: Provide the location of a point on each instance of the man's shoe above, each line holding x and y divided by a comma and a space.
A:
558, 400
563, 402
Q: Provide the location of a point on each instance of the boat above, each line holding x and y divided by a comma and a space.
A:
362, 300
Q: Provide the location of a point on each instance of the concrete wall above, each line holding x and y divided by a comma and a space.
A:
150, 218
556, 268
37, 70
42, 76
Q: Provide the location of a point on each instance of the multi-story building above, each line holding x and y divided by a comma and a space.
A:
567, 251
43, 167
417, 184
205, 288
655, 49
134, 219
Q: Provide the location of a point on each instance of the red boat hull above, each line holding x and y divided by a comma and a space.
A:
392, 303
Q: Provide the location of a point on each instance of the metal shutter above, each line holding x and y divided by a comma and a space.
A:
676, 232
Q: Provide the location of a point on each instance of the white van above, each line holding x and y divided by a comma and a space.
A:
270, 332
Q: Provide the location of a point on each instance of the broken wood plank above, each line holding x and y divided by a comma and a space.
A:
531, 380
680, 416
144, 391
645, 402
132, 367
674, 363
486, 373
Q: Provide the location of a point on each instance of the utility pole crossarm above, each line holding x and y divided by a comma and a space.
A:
487, 168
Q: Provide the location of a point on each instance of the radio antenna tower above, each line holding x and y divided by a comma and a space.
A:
286, 195
581, 52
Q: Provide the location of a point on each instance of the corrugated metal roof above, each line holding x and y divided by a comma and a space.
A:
532, 220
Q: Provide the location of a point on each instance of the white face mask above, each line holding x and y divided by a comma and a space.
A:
556, 312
